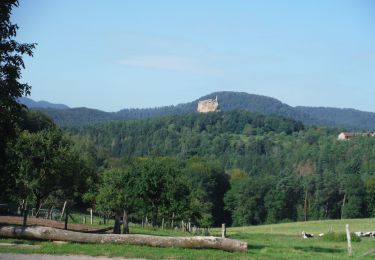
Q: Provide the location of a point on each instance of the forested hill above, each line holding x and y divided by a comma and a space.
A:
346, 118
277, 167
40, 104
341, 117
213, 134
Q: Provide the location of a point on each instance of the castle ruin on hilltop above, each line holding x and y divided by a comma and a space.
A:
208, 105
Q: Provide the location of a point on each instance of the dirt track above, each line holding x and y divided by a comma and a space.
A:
10, 220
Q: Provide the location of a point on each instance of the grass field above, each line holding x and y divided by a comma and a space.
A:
279, 241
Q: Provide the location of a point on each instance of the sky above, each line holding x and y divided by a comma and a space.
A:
119, 54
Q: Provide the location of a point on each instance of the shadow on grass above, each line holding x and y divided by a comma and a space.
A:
319, 249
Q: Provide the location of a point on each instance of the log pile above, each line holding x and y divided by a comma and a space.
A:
48, 233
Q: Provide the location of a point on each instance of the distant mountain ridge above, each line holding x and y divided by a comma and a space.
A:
349, 119
40, 104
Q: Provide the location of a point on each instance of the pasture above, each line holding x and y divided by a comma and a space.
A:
278, 241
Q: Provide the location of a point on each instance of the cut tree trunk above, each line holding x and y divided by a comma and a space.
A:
47, 233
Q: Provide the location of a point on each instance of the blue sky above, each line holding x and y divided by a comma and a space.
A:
136, 53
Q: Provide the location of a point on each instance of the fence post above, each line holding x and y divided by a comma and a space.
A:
91, 216
172, 220
162, 224
349, 240
66, 219
63, 210
223, 230
24, 216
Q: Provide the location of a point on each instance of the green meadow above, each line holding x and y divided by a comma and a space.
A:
277, 241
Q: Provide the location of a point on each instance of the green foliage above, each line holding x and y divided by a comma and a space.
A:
370, 195
153, 187
44, 165
11, 63
288, 172
116, 191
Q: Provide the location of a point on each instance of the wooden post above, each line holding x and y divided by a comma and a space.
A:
349, 240
305, 206
223, 230
162, 223
20, 208
50, 213
66, 219
172, 220
40, 207
63, 210
91, 216
142, 223
343, 206
24, 216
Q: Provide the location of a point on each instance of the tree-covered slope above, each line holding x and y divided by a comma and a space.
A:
341, 117
40, 104
346, 118
279, 169
187, 135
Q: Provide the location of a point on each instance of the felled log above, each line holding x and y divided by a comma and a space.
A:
48, 233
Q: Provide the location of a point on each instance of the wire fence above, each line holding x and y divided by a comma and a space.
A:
97, 219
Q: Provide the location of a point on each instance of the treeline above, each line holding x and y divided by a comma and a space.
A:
235, 167
279, 170
228, 101
161, 189
42, 165
214, 134
45, 166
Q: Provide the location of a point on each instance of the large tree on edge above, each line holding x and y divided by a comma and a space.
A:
11, 89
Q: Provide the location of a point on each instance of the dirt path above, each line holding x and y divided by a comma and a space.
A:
57, 257
11, 220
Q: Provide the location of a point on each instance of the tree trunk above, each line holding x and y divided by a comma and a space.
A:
47, 233
343, 206
305, 206
125, 228
117, 228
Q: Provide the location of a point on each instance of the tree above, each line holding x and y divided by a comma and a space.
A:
370, 196
45, 165
162, 188
281, 202
116, 194
11, 89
